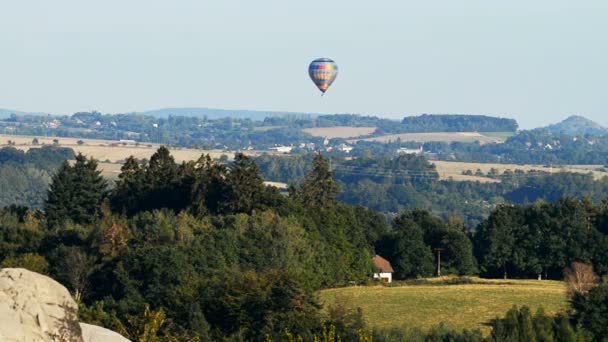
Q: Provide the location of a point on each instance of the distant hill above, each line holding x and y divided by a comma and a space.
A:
210, 113
577, 125
5, 113
213, 113
457, 123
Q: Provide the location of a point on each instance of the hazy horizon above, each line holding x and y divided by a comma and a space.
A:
535, 62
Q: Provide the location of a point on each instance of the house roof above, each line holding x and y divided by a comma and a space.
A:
382, 264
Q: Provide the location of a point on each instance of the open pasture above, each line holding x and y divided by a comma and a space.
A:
343, 132
113, 150
469, 306
434, 136
453, 170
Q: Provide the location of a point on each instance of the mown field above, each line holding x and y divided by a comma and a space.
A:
112, 150
469, 306
454, 170
437, 136
344, 132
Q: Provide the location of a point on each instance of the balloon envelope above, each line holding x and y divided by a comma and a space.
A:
323, 72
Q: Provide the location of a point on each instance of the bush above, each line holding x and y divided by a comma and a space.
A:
30, 261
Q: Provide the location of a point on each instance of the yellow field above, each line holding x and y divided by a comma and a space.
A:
454, 170
25, 140
438, 136
469, 306
112, 150
339, 132
267, 128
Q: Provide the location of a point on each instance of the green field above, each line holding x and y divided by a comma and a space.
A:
499, 135
469, 306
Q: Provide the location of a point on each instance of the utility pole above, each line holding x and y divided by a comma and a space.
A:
439, 250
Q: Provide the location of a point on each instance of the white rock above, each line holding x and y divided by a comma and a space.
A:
93, 333
36, 308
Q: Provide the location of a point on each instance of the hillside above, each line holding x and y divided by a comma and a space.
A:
577, 125
5, 113
433, 137
469, 306
458, 123
214, 113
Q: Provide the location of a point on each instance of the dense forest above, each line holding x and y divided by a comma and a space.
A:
458, 123
24, 176
204, 251
392, 184
409, 124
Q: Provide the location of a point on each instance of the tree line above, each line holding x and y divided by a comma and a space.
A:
393, 184
25, 175
202, 250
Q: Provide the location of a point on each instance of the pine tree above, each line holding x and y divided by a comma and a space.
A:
209, 186
130, 188
89, 191
319, 188
543, 325
162, 170
564, 331
60, 196
163, 178
526, 327
244, 185
76, 193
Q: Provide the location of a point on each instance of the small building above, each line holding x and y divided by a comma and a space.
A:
382, 269
405, 150
344, 148
282, 149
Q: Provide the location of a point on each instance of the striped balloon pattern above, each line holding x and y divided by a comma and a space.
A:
323, 72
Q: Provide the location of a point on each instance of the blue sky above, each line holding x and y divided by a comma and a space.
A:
536, 61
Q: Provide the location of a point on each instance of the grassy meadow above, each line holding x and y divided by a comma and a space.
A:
340, 132
432, 136
460, 306
454, 170
112, 150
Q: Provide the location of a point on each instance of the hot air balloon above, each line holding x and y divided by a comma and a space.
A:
323, 72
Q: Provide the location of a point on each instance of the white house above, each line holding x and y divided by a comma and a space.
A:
382, 269
282, 149
405, 150
344, 148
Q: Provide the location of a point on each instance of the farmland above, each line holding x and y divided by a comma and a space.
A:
436, 136
111, 150
469, 306
344, 132
453, 170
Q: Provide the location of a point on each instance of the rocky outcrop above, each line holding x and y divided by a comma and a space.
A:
35, 308
93, 333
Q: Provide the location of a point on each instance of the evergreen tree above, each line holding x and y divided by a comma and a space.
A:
89, 191
244, 186
209, 186
543, 326
319, 188
130, 188
527, 332
564, 331
76, 193
163, 179
60, 195
591, 311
